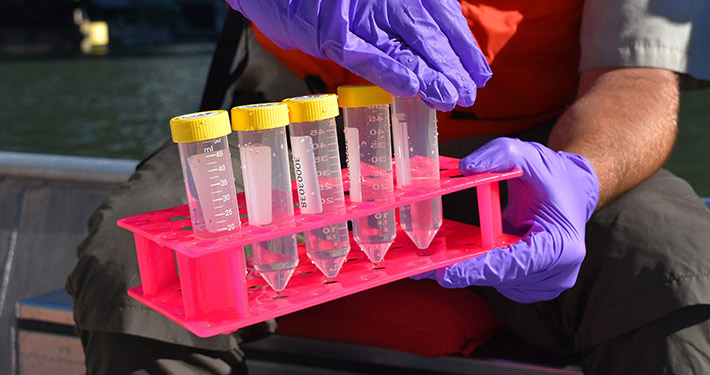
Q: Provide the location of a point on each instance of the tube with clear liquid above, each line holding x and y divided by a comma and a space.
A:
416, 153
207, 170
316, 162
261, 129
369, 155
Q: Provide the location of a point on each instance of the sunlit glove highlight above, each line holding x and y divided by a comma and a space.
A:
549, 205
407, 47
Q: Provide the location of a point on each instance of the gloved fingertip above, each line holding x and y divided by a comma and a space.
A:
467, 97
405, 85
413, 86
482, 78
438, 105
448, 91
469, 165
465, 166
437, 91
377, 68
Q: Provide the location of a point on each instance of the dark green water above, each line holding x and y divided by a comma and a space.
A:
119, 107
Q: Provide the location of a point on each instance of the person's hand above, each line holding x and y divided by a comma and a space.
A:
407, 47
549, 205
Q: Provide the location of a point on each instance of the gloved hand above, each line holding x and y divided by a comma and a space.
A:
550, 204
407, 47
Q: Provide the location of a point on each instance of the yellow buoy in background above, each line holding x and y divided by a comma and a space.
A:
96, 37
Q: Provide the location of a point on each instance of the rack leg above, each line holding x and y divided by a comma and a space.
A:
489, 213
156, 265
214, 285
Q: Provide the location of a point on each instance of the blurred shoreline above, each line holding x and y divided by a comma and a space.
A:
68, 28
164, 50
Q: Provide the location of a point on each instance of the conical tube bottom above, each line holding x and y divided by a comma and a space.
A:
375, 234
329, 266
422, 237
421, 221
328, 248
278, 279
375, 251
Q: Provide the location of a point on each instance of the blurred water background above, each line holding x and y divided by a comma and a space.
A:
118, 106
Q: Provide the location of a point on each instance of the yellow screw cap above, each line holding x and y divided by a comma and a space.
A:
259, 116
362, 96
200, 126
312, 107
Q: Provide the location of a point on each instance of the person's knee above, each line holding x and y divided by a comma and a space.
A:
662, 202
116, 353
662, 216
678, 343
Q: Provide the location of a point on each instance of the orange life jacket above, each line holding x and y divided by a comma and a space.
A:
531, 46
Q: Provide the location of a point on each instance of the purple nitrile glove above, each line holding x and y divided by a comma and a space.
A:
407, 47
549, 205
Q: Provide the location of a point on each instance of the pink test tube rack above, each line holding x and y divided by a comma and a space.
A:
211, 292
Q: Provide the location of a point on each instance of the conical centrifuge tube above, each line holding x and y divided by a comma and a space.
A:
261, 129
369, 154
316, 163
207, 170
416, 153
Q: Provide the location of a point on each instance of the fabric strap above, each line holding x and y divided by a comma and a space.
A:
220, 76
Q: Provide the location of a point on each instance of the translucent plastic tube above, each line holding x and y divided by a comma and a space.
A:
369, 154
207, 170
416, 153
261, 129
316, 163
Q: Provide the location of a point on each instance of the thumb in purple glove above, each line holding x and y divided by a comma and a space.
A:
550, 204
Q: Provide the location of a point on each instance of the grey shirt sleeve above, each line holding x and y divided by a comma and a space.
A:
673, 35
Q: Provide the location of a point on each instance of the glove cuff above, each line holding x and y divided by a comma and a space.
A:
590, 177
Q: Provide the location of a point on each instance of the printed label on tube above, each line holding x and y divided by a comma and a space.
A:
304, 165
